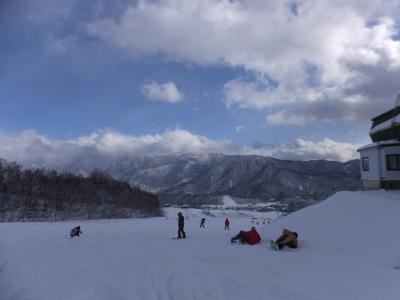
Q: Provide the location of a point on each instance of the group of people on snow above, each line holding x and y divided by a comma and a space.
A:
288, 238
203, 221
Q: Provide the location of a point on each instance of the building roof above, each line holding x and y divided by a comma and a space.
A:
386, 115
386, 126
381, 143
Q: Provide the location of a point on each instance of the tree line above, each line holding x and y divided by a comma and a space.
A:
46, 195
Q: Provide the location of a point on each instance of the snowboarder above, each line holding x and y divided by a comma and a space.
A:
202, 222
247, 237
226, 224
75, 231
181, 224
288, 238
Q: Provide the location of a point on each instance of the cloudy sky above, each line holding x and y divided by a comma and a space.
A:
290, 79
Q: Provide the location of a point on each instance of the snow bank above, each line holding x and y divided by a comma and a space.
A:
228, 201
349, 250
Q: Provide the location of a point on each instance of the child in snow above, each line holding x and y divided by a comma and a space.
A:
202, 222
181, 224
226, 224
247, 237
288, 238
75, 231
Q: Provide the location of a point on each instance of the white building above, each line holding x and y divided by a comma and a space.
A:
380, 161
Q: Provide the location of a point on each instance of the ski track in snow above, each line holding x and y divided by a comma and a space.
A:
137, 259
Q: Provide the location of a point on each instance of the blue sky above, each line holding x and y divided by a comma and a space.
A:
262, 76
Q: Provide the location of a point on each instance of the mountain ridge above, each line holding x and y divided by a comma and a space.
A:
199, 179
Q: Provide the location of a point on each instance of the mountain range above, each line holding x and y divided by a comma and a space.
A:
204, 179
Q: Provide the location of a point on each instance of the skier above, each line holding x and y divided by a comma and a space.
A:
226, 224
75, 231
181, 224
247, 237
288, 238
202, 222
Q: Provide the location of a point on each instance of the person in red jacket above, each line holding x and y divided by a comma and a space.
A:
247, 237
227, 224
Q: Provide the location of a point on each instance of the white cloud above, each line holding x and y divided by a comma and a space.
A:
239, 128
305, 150
283, 118
327, 52
61, 45
254, 95
33, 149
167, 92
171, 142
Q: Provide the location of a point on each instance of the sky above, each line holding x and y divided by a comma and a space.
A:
289, 79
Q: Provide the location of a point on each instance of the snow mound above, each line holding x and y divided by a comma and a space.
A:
348, 250
228, 202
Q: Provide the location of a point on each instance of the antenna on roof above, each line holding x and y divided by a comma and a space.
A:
397, 104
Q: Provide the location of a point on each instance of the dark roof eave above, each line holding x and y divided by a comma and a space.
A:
390, 113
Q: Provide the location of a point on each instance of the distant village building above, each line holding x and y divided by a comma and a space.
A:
380, 161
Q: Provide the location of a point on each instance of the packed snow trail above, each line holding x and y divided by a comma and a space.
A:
349, 250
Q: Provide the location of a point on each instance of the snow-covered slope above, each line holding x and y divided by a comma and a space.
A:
349, 250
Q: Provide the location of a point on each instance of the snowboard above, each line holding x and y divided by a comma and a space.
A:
236, 242
274, 246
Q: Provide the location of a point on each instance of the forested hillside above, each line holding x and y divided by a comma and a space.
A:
39, 195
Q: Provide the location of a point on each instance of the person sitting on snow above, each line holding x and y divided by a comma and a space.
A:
288, 238
75, 231
247, 237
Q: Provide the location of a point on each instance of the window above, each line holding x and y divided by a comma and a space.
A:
393, 162
365, 163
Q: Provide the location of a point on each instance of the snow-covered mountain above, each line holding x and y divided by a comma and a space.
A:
344, 254
205, 179
198, 179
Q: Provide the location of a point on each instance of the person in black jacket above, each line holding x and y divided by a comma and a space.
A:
75, 231
181, 224
202, 223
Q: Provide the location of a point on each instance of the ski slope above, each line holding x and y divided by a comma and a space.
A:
349, 250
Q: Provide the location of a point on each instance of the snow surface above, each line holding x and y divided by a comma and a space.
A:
228, 201
349, 250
